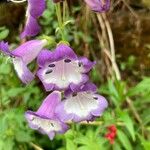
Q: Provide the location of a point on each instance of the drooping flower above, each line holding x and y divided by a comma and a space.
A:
81, 104
34, 10
44, 119
111, 135
22, 56
62, 68
98, 5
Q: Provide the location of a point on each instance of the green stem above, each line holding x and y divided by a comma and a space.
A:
64, 11
60, 20
74, 134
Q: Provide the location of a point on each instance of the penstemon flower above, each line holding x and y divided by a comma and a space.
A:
62, 68
34, 10
98, 5
22, 56
81, 104
44, 119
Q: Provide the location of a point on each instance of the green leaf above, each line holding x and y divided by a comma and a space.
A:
10, 144
124, 116
142, 88
70, 145
23, 136
145, 143
116, 146
124, 140
90, 141
3, 34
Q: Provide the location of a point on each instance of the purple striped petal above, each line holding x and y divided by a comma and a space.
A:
62, 68
22, 56
25, 75
32, 27
4, 47
47, 109
45, 57
36, 7
81, 106
29, 50
63, 51
34, 11
45, 120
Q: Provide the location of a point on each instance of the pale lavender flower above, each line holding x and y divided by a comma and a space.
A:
81, 104
98, 5
62, 68
34, 10
44, 119
22, 56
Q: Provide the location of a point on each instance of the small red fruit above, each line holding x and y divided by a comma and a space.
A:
111, 135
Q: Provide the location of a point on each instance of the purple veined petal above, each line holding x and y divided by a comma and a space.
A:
44, 57
22, 56
31, 28
45, 126
51, 135
25, 75
4, 47
36, 7
48, 106
98, 5
45, 120
87, 64
62, 68
87, 87
34, 10
103, 104
61, 74
29, 50
63, 51
81, 106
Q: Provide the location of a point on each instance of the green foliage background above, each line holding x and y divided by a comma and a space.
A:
125, 103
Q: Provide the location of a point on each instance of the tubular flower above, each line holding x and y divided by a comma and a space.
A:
22, 56
98, 5
44, 119
34, 10
81, 104
62, 68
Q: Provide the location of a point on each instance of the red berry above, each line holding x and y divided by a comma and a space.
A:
112, 128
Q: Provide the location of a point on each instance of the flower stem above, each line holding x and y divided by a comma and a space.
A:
60, 20
74, 134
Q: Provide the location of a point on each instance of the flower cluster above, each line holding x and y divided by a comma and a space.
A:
65, 75
62, 72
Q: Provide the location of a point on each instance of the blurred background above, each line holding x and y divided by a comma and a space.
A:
123, 77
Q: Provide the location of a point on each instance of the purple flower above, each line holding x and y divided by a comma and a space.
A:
45, 119
22, 56
81, 104
62, 68
34, 11
98, 5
